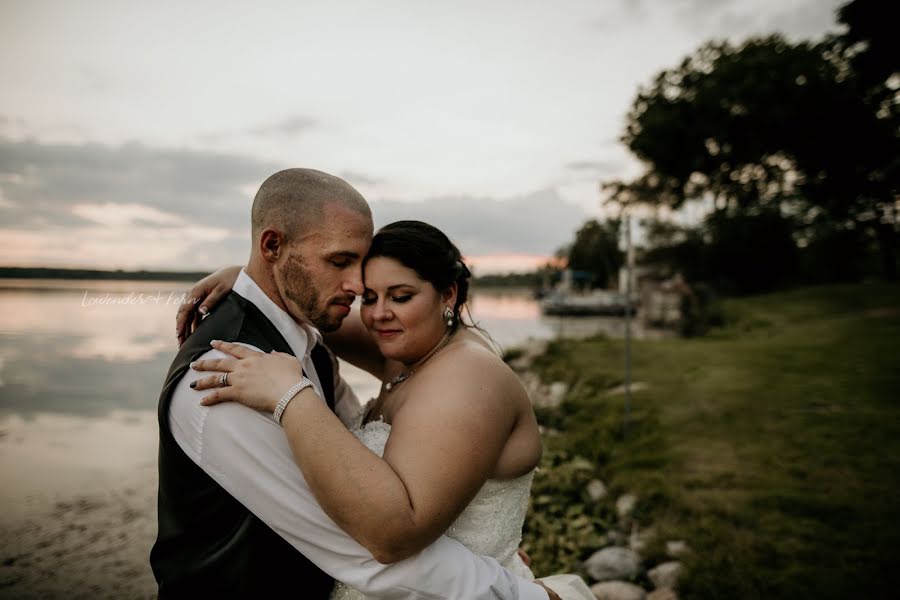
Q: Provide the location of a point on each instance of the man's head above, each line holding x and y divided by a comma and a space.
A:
310, 231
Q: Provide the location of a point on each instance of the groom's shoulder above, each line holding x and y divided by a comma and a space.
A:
225, 322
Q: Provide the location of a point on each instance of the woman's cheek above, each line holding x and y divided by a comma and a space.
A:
365, 313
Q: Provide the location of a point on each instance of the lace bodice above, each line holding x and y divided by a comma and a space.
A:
490, 525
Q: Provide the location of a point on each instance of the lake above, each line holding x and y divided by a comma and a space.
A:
81, 365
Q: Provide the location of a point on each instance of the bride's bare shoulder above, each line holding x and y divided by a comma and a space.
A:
474, 366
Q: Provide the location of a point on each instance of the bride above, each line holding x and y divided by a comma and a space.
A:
450, 444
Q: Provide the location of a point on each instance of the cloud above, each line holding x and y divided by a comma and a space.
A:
134, 206
127, 206
808, 20
726, 18
291, 126
286, 127
536, 223
45, 184
597, 167
738, 20
357, 179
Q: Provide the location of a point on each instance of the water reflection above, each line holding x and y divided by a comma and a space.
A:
82, 363
115, 321
47, 457
90, 347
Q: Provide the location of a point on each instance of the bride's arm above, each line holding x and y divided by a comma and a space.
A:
203, 295
351, 342
445, 443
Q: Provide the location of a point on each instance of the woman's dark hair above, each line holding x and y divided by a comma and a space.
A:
427, 251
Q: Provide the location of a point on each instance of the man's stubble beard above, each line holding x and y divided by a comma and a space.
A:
300, 288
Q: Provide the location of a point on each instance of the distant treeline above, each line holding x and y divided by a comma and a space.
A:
508, 280
52, 273
533, 280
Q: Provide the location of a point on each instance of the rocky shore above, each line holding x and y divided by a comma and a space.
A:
616, 567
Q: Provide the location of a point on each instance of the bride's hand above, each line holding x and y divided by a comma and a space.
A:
254, 379
206, 294
553, 595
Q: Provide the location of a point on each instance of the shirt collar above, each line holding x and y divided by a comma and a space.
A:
297, 335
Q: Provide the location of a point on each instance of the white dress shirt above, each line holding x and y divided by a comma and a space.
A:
247, 453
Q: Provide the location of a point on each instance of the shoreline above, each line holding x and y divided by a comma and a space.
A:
84, 545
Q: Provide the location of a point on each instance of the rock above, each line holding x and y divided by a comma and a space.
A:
662, 594
677, 548
625, 505
665, 575
640, 538
596, 490
618, 590
616, 538
532, 384
620, 389
531, 350
613, 563
557, 393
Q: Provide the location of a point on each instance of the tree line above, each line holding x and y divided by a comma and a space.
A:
792, 147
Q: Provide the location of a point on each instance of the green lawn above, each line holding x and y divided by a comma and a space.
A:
772, 446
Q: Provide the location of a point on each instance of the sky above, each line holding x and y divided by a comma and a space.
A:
135, 134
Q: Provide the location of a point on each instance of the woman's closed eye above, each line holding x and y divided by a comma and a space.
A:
400, 299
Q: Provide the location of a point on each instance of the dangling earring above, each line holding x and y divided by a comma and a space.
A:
448, 314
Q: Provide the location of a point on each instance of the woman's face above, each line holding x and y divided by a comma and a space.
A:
403, 312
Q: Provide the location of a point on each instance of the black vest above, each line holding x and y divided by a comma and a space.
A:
209, 545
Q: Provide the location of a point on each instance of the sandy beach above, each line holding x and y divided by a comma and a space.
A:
93, 545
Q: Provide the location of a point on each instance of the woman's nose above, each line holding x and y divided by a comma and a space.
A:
382, 312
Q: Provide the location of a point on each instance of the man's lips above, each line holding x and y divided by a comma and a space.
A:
343, 307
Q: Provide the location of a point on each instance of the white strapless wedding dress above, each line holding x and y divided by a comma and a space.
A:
491, 525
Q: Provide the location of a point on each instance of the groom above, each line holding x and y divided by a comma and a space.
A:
236, 517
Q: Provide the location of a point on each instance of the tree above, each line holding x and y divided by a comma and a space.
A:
596, 250
738, 253
772, 126
869, 52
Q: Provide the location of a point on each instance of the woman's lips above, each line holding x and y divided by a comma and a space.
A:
387, 333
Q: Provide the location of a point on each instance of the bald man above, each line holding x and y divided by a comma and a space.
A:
236, 517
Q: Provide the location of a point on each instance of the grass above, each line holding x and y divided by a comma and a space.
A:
771, 445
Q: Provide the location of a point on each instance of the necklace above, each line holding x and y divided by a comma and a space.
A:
389, 386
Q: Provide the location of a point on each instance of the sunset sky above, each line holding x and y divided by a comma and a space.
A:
134, 134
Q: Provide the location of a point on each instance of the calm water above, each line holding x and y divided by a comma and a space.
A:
81, 365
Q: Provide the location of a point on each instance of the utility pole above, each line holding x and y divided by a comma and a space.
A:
628, 268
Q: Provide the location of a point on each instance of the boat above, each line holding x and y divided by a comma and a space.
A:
594, 303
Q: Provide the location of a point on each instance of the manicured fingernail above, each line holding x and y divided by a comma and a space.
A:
193, 364
203, 310
193, 384
214, 342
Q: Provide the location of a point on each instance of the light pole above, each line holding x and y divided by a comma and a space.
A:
628, 267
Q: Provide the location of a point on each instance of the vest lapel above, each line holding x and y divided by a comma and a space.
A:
322, 362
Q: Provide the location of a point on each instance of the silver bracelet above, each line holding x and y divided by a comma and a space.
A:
288, 396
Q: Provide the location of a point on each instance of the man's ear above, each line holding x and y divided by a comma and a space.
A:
271, 245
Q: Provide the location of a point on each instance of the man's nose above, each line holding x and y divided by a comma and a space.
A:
354, 283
